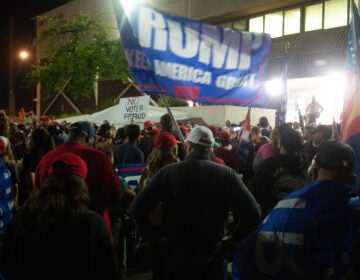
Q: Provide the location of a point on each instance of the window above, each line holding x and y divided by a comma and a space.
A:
335, 13
240, 25
256, 24
313, 17
292, 21
274, 24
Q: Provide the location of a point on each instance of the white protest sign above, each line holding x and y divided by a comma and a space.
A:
134, 108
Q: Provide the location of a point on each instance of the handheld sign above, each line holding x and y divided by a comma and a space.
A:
134, 108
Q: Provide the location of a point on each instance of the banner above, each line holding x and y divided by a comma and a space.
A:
192, 60
350, 125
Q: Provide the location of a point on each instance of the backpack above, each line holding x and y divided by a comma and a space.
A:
285, 183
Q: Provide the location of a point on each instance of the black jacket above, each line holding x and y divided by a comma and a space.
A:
197, 195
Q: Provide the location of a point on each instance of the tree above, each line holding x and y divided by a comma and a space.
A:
76, 48
172, 102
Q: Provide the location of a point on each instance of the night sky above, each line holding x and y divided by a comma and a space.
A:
22, 12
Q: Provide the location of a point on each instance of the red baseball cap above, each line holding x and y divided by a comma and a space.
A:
185, 128
2, 146
69, 164
148, 124
224, 137
165, 140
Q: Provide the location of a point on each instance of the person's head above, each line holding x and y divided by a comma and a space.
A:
83, 132
165, 140
334, 160
63, 193
214, 130
263, 121
200, 140
224, 138
165, 152
105, 131
290, 141
274, 136
255, 133
296, 125
40, 140
133, 132
321, 133
121, 134
166, 123
148, 125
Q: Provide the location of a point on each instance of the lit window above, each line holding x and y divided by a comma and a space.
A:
239, 25
313, 17
335, 13
256, 24
292, 21
274, 24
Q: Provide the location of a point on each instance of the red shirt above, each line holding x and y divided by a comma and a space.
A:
102, 178
229, 157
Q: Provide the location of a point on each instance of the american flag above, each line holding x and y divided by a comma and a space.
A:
350, 126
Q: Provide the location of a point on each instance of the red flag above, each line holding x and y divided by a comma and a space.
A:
350, 126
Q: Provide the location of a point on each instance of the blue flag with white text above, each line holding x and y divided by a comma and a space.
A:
313, 233
192, 60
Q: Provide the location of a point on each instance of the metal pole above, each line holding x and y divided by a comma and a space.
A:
177, 128
38, 100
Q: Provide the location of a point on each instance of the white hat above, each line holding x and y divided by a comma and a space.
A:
201, 135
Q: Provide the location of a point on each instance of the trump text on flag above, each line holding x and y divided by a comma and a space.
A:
193, 60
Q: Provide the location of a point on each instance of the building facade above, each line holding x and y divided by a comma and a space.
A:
313, 34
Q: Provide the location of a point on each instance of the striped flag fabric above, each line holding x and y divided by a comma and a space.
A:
310, 234
350, 125
244, 137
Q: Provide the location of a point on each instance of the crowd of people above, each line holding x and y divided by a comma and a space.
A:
280, 206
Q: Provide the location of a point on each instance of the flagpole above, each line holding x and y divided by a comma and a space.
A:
177, 128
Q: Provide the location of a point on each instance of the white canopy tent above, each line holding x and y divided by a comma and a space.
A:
73, 119
112, 114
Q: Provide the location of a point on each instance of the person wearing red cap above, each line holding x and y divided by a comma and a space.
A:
225, 151
102, 179
104, 185
164, 153
146, 140
54, 235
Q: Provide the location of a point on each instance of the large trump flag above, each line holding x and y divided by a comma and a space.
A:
192, 60
350, 126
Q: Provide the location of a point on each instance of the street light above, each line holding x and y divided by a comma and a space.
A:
24, 55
